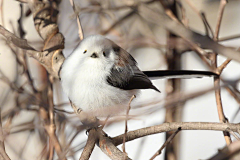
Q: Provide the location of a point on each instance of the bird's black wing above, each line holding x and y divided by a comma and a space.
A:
126, 80
126, 75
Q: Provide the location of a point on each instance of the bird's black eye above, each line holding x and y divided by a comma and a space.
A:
85, 52
104, 54
94, 55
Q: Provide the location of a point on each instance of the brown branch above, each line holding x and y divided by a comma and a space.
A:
3, 154
51, 151
126, 127
51, 117
223, 65
80, 30
1, 10
53, 137
165, 144
219, 19
228, 38
221, 115
87, 151
228, 152
45, 21
107, 146
11, 38
187, 34
128, 15
51, 59
166, 127
202, 16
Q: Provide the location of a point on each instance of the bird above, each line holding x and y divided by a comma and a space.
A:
99, 77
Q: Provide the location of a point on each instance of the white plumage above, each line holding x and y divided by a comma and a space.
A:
84, 81
100, 77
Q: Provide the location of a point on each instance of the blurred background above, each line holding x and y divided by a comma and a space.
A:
152, 46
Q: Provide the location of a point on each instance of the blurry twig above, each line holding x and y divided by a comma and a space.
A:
187, 34
165, 144
221, 114
1, 11
228, 152
3, 154
228, 38
219, 19
80, 30
202, 16
126, 127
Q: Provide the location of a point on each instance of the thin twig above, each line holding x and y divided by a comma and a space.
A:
221, 115
2, 14
51, 113
202, 16
219, 19
223, 65
228, 152
188, 35
3, 154
126, 127
235, 135
229, 38
80, 30
165, 144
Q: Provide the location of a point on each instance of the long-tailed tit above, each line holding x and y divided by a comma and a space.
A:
100, 77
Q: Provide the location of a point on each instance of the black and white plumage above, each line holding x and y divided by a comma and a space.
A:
100, 76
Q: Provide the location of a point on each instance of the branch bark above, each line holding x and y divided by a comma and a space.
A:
166, 127
110, 149
87, 151
3, 154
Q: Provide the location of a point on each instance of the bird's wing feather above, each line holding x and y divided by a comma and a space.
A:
126, 75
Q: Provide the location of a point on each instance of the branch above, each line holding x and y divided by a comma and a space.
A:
165, 144
126, 127
51, 59
90, 145
108, 147
228, 152
11, 38
220, 15
187, 34
221, 114
166, 127
80, 30
3, 154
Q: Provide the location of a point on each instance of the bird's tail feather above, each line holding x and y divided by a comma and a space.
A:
159, 74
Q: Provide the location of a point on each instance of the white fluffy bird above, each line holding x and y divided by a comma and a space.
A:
100, 77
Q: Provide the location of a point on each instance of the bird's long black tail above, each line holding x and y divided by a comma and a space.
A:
159, 74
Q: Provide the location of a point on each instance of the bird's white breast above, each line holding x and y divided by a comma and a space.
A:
87, 88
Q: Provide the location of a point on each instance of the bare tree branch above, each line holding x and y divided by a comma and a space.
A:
166, 127
230, 152
165, 144
3, 154
92, 137
221, 114
107, 146
187, 34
